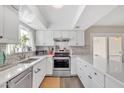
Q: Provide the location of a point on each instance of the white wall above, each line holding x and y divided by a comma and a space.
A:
102, 29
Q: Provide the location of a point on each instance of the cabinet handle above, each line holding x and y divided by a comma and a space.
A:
89, 76
95, 73
37, 70
1, 36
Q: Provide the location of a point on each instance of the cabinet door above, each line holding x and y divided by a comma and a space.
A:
57, 34
80, 38
1, 21
40, 38
49, 66
11, 25
111, 83
65, 34
72, 36
39, 71
96, 84
49, 38
3, 85
73, 66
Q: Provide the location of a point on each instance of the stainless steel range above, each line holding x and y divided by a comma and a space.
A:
62, 63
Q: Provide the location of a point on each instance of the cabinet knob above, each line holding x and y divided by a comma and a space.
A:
95, 73
1, 36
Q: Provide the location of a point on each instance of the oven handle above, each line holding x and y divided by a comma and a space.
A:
61, 58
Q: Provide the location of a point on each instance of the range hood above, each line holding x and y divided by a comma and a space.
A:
61, 39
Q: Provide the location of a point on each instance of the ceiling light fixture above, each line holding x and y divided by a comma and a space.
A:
57, 6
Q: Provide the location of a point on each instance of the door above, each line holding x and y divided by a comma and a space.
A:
115, 53
100, 52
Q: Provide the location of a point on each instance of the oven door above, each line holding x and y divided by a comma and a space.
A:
61, 63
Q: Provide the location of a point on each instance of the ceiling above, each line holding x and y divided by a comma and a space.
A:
74, 17
114, 18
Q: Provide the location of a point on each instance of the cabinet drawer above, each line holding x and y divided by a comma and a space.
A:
98, 76
3, 85
111, 83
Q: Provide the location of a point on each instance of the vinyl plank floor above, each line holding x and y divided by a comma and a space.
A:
50, 82
61, 82
70, 82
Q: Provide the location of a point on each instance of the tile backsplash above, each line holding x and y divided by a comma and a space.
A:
16, 56
80, 50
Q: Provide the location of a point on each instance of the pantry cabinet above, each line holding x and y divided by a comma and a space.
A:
9, 26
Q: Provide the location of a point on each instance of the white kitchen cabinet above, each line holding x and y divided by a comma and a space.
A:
39, 72
90, 77
1, 22
80, 38
96, 84
49, 66
10, 25
72, 36
111, 83
61, 34
73, 66
44, 38
49, 38
76, 38
40, 38
3, 85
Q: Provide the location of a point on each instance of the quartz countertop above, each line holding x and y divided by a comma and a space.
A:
112, 69
10, 73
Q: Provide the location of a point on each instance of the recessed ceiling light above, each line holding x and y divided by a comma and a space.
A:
57, 6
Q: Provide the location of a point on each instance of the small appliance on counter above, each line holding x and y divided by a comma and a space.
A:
41, 52
2, 57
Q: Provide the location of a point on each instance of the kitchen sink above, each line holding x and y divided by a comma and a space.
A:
6, 66
30, 60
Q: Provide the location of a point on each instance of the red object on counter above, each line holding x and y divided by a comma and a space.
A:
50, 52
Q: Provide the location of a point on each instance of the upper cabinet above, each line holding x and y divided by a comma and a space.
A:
46, 38
76, 38
1, 22
61, 34
9, 24
80, 38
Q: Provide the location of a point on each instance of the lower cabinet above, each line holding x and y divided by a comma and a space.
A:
3, 85
111, 83
39, 72
49, 66
73, 66
89, 77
